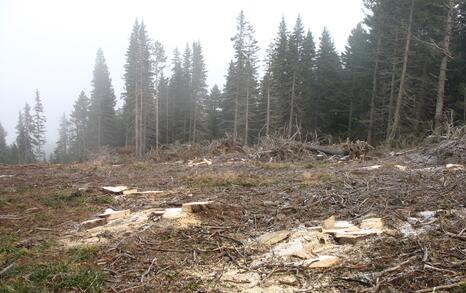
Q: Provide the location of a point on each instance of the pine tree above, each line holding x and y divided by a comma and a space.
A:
38, 133
102, 105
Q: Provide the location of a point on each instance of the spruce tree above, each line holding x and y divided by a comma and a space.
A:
177, 92
212, 108
245, 69
139, 107
102, 105
357, 81
308, 92
79, 127
198, 90
185, 101
3, 146
62, 149
38, 133
158, 66
24, 136
295, 59
280, 79
329, 105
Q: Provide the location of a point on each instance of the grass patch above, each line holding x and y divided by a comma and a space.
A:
275, 165
6, 200
63, 199
9, 250
314, 178
82, 253
102, 200
52, 277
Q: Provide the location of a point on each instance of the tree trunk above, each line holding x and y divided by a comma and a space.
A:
194, 122
443, 68
157, 123
421, 99
396, 118
374, 90
392, 89
267, 122
464, 107
290, 123
246, 128
235, 121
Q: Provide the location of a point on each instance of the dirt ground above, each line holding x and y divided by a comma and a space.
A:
222, 249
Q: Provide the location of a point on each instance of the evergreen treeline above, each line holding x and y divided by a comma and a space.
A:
401, 75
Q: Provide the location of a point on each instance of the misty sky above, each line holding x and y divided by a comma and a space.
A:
51, 44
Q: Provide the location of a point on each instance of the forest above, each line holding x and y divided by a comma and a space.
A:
400, 78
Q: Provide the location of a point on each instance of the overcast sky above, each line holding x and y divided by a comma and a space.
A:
51, 44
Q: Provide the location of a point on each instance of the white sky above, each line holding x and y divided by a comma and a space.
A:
51, 44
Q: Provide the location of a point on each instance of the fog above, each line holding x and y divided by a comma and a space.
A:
51, 45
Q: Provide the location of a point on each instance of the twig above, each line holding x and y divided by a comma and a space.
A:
148, 269
434, 289
7, 268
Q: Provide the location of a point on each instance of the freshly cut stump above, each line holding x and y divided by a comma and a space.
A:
196, 207
112, 215
115, 189
92, 223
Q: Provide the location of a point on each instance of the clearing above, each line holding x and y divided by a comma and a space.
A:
278, 220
